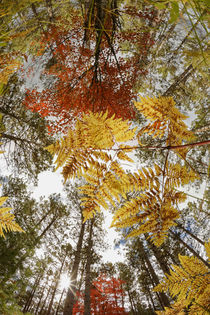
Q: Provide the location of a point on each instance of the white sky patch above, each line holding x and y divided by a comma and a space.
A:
49, 183
111, 255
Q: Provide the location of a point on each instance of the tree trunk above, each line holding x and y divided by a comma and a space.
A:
59, 303
153, 274
30, 298
159, 257
45, 300
87, 301
15, 138
153, 285
24, 256
131, 302
122, 296
181, 78
56, 286
40, 299
190, 233
70, 298
176, 236
151, 299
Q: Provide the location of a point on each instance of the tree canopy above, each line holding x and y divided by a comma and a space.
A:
114, 94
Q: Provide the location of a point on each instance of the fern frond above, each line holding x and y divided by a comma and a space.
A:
189, 282
207, 248
153, 211
175, 309
7, 220
93, 133
166, 120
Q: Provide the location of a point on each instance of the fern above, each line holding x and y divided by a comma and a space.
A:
190, 283
7, 220
153, 211
82, 152
94, 150
166, 121
81, 146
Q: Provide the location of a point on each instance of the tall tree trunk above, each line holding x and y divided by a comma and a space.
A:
153, 274
82, 272
15, 138
40, 299
59, 303
56, 286
36, 240
70, 298
190, 233
122, 296
151, 299
153, 285
177, 237
131, 302
45, 301
159, 257
181, 78
87, 301
30, 298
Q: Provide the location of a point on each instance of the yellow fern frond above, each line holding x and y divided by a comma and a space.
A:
207, 248
175, 309
189, 282
7, 220
166, 120
92, 134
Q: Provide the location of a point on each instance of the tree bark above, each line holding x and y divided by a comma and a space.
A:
153, 285
153, 274
56, 286
190, 233
131, 302
40, 299
159, 257
151, 299
176, 236
70, 298
59, 303
30, 298
15, 139
87, 301
45, 300
181, 78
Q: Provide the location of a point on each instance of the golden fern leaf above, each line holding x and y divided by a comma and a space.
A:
154, 209
157, 222
82, 153
92, 134
178, 175
7, 220
189, 282
207, 248
175, 309
123, 156
166, 120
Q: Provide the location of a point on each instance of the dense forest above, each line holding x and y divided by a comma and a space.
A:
112, 95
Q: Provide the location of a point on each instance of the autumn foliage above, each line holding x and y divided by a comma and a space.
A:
107, 297
87, 71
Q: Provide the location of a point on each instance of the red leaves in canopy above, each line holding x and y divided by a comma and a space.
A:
107, 298
85, 76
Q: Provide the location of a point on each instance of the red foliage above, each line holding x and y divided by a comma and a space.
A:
88, 78
107, 298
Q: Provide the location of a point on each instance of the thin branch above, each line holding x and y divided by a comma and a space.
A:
169, 147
